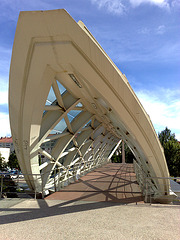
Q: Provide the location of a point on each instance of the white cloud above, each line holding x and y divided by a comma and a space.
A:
3, 97
175, 3
145, 47
163, 107
160, 3
160, 30
145, 31
112, 6
4, 126
118, 7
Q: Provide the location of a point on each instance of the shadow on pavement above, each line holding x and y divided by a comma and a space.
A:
105, 187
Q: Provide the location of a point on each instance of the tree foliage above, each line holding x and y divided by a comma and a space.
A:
166, 136
3, 164
128, 156
13, 161
171, 150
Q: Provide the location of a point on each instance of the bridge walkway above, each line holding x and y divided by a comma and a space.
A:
114, 182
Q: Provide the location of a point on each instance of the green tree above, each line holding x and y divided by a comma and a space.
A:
3, 164
171, 150
129, 156
116, 158
13, 161
165, 136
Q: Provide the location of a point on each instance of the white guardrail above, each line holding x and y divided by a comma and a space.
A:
14, 185
150, 193
151, 186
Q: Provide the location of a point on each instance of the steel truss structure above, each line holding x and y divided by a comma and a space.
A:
70, 105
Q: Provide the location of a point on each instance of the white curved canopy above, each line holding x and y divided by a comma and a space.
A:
66, 92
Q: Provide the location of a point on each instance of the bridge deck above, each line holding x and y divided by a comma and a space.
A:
113, 182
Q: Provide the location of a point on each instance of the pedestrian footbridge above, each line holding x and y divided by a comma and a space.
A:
114, 182
70, 106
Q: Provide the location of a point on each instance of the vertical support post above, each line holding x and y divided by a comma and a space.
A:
1, 185
59, 178
35, 194
123, 153
150, 195
18, 179
146, 192
35, 187
41, 176
68, 175
55, 179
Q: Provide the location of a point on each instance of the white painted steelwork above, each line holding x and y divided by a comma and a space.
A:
64, 90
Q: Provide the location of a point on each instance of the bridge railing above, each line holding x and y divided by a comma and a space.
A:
153, 188
150, 194
14, 184
61, 177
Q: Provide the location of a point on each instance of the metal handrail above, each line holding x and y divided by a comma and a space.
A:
70, 174
3, 175
150, 193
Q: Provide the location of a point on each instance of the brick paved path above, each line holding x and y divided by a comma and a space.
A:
114, 182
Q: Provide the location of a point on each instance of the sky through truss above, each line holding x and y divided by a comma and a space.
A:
142, 37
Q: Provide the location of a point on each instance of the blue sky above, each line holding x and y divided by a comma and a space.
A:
142, 37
